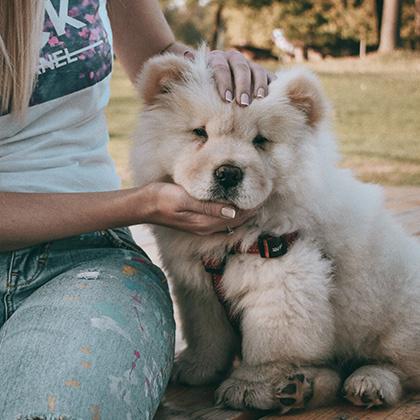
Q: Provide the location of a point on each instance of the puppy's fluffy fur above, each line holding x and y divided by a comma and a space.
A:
305, 318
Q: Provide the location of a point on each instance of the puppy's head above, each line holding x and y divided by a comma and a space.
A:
219, 151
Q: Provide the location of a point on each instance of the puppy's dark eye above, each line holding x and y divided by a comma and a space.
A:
201, 132
260, 141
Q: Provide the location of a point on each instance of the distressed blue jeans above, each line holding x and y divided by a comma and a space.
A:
87, 330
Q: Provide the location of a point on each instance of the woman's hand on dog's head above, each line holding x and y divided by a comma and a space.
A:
170, 205
236, 77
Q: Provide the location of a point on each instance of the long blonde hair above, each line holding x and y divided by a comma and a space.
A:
20, 37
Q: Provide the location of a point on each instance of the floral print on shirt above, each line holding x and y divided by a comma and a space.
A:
76, 50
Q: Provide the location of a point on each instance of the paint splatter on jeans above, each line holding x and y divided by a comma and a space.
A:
87, 330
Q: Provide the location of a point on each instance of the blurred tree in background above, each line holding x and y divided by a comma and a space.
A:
330, 27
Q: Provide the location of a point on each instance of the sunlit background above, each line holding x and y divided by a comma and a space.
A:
366, 52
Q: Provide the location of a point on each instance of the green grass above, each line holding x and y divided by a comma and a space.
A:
377, 121
376, 103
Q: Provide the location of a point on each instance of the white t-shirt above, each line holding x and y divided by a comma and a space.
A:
61, 146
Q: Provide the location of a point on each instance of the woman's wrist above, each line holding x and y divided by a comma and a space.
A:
138, 205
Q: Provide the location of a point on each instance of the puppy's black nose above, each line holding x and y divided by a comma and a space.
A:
228, 176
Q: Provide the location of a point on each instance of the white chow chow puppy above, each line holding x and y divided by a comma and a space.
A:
320, 292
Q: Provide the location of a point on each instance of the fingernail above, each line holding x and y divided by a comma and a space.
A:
228, 212
245, 99
260, 93
189, 55
228, 96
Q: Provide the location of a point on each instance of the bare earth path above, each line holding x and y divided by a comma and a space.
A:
184, 403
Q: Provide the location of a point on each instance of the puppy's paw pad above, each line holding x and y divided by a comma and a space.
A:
364, 391
294, 392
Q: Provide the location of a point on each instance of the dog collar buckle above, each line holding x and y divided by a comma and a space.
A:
272, 246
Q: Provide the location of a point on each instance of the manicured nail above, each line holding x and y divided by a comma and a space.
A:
228, 96
228, 212
245, 99
260, 93
189, 55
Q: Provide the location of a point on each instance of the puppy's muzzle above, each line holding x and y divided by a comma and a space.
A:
228, 176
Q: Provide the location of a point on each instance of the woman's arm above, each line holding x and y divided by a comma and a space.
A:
30, 218
140, 31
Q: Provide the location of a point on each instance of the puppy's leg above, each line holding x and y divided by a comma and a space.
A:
292, 325
211, 342
277, 386
374, 385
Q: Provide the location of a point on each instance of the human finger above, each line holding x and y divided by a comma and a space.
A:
208, 208
222, 74
260, 80
242, 77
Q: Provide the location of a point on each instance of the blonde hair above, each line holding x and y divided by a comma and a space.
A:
20, 39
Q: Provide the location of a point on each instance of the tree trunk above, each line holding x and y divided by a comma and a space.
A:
379, 6
389, 26
218, 26
417, 24
399, 23
362, 48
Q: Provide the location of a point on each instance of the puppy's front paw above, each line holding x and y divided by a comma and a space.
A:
372, 388
363, 391
289, 393
242, 394
195, 368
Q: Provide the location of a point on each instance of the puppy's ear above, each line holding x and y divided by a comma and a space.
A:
305, 93
158, 74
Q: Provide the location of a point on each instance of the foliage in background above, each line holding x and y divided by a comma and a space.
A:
190, 21
333, 27
408, 28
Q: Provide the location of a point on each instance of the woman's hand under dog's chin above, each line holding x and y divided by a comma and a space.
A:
170, 205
